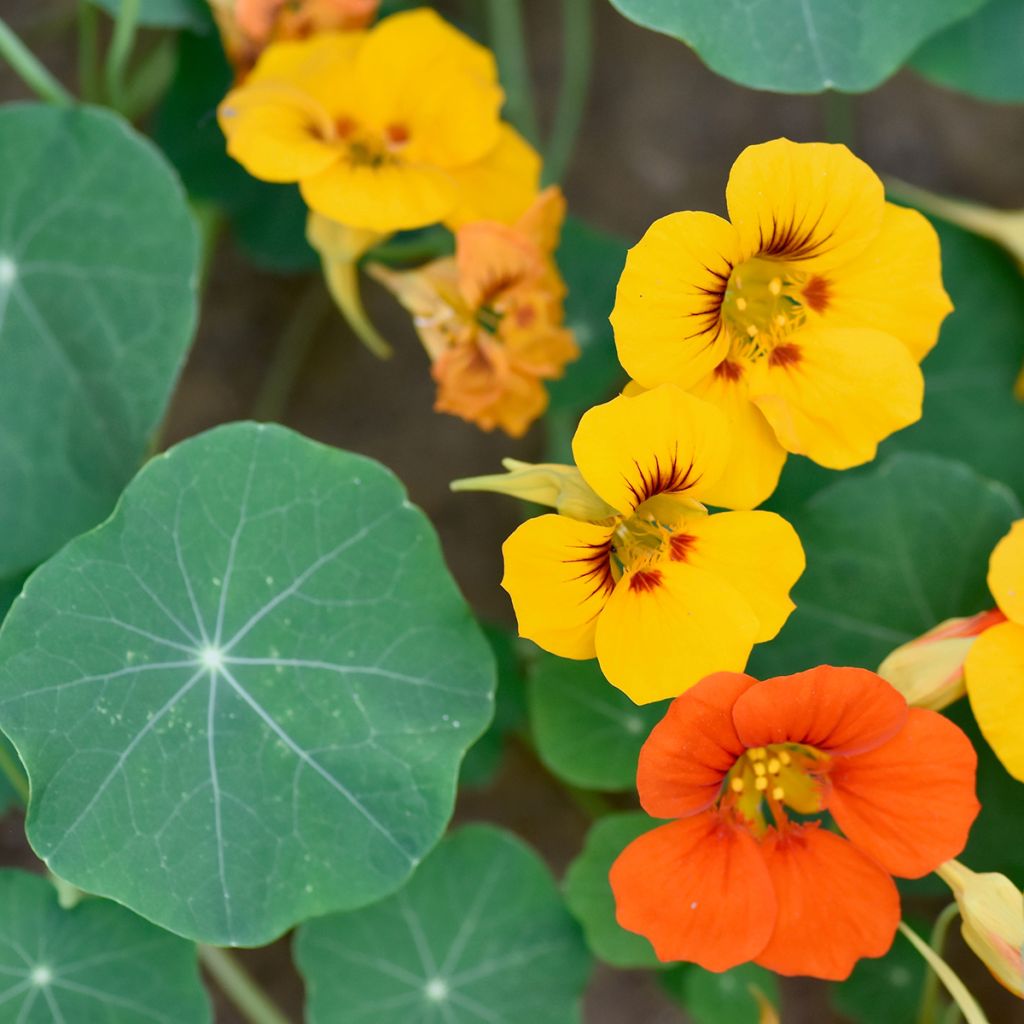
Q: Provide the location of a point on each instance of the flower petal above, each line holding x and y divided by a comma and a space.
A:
557, 575
814, 203
664, 629
835, 710
697, 890
663, 441
833, 394
668, 327
909, 803
1006, 573
834, 905
995, 687
689, 752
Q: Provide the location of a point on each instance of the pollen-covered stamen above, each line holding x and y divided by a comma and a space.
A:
762, 305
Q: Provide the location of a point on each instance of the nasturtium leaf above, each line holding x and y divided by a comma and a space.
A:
94, 964
800, 45
480, 933
98, 262
190, 14
587, 732
589, 896
890, 553
726, 998
981, 55
243, 700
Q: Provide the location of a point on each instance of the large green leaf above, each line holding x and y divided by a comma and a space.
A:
725, 998
587, 732
95, 964
590, 898
800, 45
97, 307
244, 699
191, 14
890, 554
479, 934
980, 56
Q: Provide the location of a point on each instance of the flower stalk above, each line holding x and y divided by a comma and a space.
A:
508, 38
577, 47
251, 1001
28, 68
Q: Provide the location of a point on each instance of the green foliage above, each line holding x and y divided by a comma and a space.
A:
191, 14
587, 732
98, 261
726, 998
886, 990
94, 964
479, 933
980, 56
243, 701
800, 45
589, 895
8, 796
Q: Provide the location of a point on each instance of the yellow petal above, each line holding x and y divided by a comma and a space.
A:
834, 394
813, 202
755, 457
664, 629
758, 553
321, 66
663, 441
995, 686
1006, 573
557, 573
667, 321
895, 285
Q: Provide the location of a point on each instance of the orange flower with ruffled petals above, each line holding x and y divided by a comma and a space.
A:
735, 878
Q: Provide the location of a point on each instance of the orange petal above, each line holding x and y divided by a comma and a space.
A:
836, 710
688, 753
835, 905
697, 890
909, 803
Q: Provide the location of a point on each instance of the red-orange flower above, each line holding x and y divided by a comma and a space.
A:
736, 878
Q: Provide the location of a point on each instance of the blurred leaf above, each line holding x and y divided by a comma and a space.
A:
587, 732
589, 895
480, 933
800, 45
243, 700
94, 964
98, 259
890, 553
726, 998
981, 55
8, 795
191, 14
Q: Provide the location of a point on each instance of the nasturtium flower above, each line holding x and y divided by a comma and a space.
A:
803, 317
491, 317
394, 128
661, 592
744, 872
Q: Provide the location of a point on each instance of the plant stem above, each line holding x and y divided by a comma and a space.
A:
120, 50
577, 47
508, 40
969, 1007
10, 766
250, 1000
88, 52
27, 67
840, 123
928, 1012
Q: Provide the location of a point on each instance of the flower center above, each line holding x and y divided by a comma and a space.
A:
763, 303
367, 149
652, 534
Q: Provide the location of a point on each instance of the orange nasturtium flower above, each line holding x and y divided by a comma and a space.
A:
490, 317
640, 575
803, 317
384, 130
735, 877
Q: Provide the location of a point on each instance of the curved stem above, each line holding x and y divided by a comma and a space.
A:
840, 122
343, 282
969, 1007
249, 999
27, 67
508, 39
929, 1008
120, 50
577, 46
11, 767
88, 52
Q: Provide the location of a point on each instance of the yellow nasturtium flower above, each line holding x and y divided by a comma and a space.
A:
803, 317
642, 577
384, 130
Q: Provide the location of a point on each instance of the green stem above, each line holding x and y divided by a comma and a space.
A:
969, 1007
88, 52
577, 46
150, 79
249, 999
929, 1009
27, 67
11, 767
508, 40
840, 123
120, 50
292, 352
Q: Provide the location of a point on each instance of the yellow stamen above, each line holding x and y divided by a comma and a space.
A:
774, 766
741, 303
760, 784
778, 793
784, 757
737, 785
752, 331
757, 753
775, 286
759, 769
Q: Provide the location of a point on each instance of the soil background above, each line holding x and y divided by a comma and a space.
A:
659, 135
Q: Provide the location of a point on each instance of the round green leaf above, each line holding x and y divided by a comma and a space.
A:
244, 699
191, 14
480, 933
721, 998
589, 895
94, 964
890, 554
98, 260
980, 56
800, 45
587, 732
